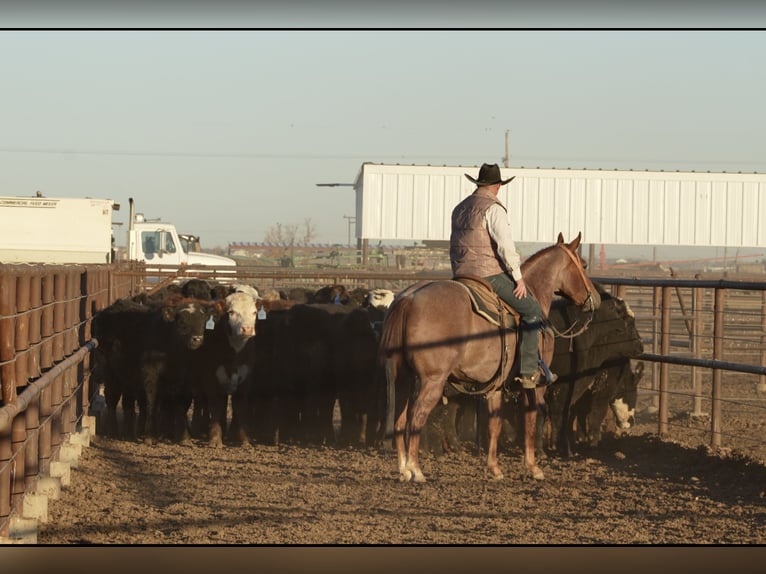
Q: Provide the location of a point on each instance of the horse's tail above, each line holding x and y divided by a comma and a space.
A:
391, 353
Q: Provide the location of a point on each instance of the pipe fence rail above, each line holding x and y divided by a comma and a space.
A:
705, 340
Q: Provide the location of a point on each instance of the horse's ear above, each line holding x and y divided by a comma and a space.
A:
575, 242
561, 238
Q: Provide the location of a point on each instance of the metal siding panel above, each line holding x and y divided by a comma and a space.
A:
421, 206
437, 208
577, 209
749, 214
656, 212
388, 206
405, 206
733, 219
561, 208
761, 240
624, 215
639, 209
594, 214
512, 196
609, 209
670, 223
687, 207
718, 211
546, 200
702, 227
372, 187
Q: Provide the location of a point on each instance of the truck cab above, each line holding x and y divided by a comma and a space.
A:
158, 242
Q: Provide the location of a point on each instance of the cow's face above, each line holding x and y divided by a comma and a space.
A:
624, 405
241, 314
623, 414
379, 298
189, 321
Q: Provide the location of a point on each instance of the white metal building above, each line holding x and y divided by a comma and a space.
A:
659, 208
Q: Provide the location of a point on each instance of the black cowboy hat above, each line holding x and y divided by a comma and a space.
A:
489, 174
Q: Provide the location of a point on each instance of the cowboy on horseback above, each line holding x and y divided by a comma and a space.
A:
481, 245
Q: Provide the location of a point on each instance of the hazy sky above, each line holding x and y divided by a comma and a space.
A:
226, 132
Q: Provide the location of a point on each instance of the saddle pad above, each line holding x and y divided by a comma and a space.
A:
485, 301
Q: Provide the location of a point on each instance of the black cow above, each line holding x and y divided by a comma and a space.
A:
304, 369
143, 355
265, 406
120, 330
594, 370
175, 333
359, 377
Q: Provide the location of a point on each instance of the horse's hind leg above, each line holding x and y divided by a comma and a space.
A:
401, 449
495, 425
430, 394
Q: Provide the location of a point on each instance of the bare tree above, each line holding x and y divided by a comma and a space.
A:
309, 231
287, 237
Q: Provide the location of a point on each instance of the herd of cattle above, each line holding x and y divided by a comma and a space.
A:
234, 365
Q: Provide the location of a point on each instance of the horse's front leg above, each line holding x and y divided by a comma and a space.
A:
530, 426
495, 425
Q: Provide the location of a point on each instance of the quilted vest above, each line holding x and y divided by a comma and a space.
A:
472, 250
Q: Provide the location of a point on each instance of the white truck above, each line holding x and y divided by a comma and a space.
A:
79, 230
158, 242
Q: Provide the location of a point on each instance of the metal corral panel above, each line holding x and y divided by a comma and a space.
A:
414, 202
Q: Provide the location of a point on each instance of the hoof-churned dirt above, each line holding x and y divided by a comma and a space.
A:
633, 489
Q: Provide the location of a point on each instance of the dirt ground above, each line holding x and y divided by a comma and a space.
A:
633, 489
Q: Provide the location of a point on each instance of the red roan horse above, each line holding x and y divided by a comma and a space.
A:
431, 335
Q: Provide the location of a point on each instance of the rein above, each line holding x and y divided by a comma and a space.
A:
567, 333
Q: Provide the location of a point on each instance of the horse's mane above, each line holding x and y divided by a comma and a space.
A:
537, 255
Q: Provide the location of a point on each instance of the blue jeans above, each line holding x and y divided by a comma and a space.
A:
531, 321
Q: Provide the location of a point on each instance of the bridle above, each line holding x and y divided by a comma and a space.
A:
567, 333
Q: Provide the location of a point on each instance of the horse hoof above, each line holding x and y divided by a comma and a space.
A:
496, 473
537, 473
405, 476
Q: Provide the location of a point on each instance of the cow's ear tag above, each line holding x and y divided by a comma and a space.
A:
210, 325
261, 313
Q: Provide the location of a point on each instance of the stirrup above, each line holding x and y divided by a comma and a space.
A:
548, 376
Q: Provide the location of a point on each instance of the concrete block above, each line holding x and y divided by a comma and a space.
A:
35, 506
49, 486
70, 453
62, 471
90, 422
81, 437
21, 531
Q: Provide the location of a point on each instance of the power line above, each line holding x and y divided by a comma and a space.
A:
520, 159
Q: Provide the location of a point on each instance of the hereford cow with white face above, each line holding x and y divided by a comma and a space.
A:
225, 370
379, 298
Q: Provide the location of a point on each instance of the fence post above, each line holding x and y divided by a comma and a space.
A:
698, 300
656, 295
5, 480
665, 368
715, 416
7, 335
35, 318
762, 378
21, 343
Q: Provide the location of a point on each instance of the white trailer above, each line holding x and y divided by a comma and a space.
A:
56, 230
